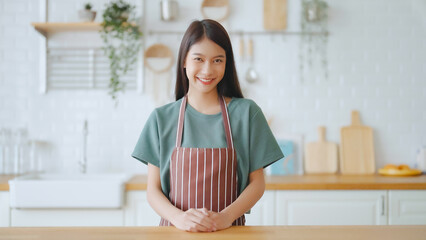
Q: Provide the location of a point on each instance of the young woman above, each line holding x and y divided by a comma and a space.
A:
206, 151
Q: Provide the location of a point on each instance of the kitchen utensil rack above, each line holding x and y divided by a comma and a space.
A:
297, 33
76, 67
81, 68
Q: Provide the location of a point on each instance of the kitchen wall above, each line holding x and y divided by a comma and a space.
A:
376, 64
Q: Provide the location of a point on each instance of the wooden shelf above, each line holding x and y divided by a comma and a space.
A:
48, 27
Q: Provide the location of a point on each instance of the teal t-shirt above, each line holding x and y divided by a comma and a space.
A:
255, 145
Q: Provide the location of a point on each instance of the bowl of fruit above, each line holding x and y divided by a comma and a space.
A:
399, 170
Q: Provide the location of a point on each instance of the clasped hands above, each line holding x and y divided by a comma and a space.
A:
201, 220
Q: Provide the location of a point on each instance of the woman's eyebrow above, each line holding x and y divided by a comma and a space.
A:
218, 56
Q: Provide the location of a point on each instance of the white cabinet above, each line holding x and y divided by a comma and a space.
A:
138, 212
289, 207
342, 207
4, 209
66, 217
263, 213
407, 207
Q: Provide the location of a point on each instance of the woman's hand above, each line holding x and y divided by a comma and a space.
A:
194, 220
221, 220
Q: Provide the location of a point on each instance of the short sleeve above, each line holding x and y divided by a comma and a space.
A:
147, 149
264, 149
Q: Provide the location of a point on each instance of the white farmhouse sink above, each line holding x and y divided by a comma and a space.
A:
68, 191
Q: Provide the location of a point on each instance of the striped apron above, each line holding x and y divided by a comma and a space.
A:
203, 177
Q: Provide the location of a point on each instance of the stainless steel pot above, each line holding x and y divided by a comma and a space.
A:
169, 10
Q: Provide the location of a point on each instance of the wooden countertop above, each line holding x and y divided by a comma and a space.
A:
247, 233
323, 182
345, 182
4, 185
303, 182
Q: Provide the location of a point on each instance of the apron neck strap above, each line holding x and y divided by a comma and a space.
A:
225, 118
226, 123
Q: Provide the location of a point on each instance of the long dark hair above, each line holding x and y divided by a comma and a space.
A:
197, 30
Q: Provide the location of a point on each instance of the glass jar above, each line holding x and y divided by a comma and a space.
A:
20, 150
6, 164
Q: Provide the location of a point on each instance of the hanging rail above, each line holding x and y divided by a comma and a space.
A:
152, 32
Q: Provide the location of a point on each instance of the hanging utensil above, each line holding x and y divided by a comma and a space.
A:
215, 9
274, 14
158, 52
169, 10
241, 48
241, 55
251, 74
159, 60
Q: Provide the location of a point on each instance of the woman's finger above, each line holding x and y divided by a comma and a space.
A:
199, 217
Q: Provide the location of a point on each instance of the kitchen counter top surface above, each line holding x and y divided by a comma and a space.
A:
4, 185
247, 233
303, 182
323, 182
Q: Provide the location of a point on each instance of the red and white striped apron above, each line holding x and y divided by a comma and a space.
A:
203, 177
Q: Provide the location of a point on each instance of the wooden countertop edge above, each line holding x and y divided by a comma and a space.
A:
389, 232
280, 186
322, 182
135, 186
303, 186
302, 182
345, 186
4, 181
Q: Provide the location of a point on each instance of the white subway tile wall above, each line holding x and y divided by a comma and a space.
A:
376, 55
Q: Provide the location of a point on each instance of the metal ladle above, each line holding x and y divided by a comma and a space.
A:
251, 74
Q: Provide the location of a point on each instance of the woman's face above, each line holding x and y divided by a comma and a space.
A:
205, 66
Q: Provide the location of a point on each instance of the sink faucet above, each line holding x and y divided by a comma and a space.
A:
83, 161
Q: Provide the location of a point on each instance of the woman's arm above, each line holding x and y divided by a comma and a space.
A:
194, 220
243, 203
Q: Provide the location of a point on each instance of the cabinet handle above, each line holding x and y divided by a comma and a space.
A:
383, 205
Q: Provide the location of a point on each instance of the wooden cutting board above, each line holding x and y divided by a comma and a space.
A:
357, 149
321, 156
274, 14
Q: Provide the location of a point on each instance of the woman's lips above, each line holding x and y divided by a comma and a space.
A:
205, 81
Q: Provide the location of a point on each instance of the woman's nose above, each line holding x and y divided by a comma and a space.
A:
207, 68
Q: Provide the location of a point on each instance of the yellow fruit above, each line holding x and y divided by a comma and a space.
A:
404, 167
390, 166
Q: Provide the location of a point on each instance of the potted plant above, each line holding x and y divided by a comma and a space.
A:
122, 41
314, 10
86, 14
313, 43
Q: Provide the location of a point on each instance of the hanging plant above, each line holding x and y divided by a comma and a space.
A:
313, 19
122, 41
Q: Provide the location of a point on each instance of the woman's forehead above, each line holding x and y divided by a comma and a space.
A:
206, 47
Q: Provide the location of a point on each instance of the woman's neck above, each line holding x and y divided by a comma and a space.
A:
204, 103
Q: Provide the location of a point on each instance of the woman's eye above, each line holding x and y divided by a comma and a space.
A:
198, 59
218, 60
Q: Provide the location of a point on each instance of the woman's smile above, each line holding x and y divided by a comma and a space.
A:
206, 81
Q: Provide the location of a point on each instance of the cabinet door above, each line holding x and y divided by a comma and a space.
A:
4, 209
263, 213
66, 217
331, 207
138, 212
407, 207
